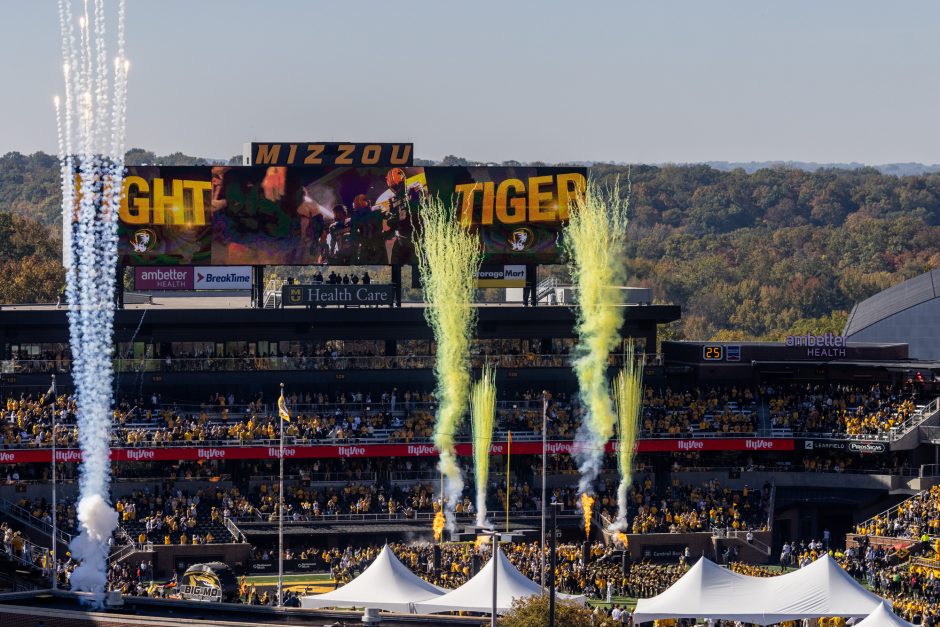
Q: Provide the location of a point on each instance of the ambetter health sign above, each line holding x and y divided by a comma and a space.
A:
163, 278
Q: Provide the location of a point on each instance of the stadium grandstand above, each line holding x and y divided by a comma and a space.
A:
772, 455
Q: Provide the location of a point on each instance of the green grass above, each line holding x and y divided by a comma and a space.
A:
293, 579
628, 602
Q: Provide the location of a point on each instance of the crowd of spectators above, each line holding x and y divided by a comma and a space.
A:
698, 410
917, 518
849, 409
408, 416
691, 508
603, 570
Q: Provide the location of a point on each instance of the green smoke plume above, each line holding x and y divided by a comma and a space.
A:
595, 240
628, 399
482, 418
449, 258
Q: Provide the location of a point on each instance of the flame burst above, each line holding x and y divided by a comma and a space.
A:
587, 506
622, 539
438, 525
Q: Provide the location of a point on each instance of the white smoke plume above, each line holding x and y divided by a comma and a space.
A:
91, 124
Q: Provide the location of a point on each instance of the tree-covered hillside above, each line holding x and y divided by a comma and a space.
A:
757, 255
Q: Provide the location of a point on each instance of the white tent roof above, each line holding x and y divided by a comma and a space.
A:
477, 594
883, 617
822, 588
386, 584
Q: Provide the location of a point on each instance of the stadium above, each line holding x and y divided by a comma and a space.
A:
759, 456
328, 383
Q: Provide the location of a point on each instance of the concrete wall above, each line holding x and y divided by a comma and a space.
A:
165, 556
757, 479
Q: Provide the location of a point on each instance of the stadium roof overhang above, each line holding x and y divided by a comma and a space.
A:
164, 325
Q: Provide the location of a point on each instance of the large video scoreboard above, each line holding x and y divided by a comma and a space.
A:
340, 215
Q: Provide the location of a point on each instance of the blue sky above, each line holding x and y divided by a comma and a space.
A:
622, 81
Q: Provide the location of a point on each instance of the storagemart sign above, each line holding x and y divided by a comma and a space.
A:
338, 295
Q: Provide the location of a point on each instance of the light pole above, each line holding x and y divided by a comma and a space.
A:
280, 504
55, 528
546, 397
551, 574
494, 535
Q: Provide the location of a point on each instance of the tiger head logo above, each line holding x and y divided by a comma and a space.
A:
143, 240
521, 239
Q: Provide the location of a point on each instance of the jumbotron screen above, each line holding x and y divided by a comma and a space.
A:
277, 215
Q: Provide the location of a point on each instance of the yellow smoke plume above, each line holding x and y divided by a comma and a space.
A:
449, 258
482, 418
587, 506
628, 399
595, 240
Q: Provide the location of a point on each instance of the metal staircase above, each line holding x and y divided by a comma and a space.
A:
272, 293
545, 291
26, 519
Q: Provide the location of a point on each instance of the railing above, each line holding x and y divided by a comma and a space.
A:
31, 555
26, 517
233, 529
385, 517
340, 476
886, 514
772, 501
928, 470
925, 562
292, 363
125, 550
399, 476
916, 419
741, 536
378, 438
545, 291
272, 292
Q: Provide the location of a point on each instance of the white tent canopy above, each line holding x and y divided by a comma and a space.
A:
822, 588
386, 584
883, 617
477, 594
